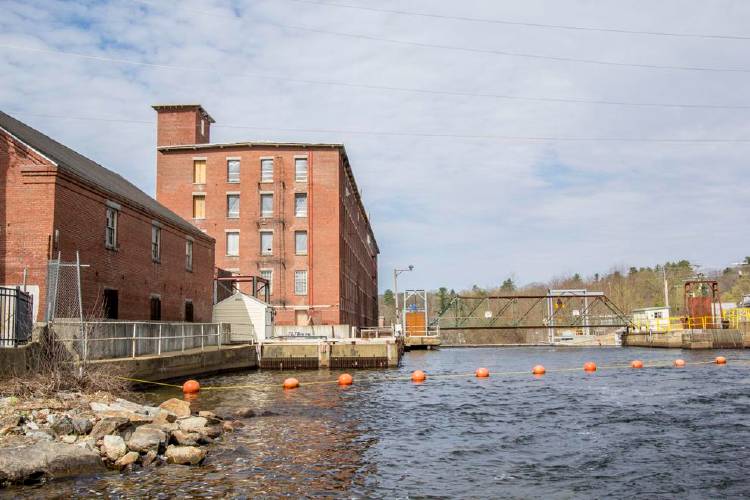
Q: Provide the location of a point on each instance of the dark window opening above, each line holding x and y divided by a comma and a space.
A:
188, 311
155, 309
110, 304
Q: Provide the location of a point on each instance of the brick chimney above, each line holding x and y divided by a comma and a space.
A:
182, 124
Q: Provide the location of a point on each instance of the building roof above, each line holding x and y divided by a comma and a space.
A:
91, 172
182, 107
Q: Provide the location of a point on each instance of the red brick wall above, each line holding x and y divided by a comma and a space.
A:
26, 216
33, 206
175, 189
130, 269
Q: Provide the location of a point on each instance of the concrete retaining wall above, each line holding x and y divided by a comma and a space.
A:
492, 337
687, 339
19, 361
182, 364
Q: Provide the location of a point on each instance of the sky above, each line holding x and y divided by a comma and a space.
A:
486, 143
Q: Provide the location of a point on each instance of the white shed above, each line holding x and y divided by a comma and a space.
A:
250, 318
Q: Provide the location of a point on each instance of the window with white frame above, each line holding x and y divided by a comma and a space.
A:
110, 239
300, 169
266, 242
266, 205
300, 282
300, 204
155, 243
189, 255
233, 243
300, 242
233, 206
267, 274
233, 170
266, 170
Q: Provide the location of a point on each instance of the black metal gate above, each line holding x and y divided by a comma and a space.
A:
16, 316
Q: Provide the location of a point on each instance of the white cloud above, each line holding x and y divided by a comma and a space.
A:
462, 211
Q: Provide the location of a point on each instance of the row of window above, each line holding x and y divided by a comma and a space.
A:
111, 306
111, 239
233, 170
233, 205
300, 280
266, 243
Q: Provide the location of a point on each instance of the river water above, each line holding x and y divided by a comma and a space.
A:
619, 432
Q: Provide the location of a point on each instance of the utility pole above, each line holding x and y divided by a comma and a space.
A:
396, 272
666, 287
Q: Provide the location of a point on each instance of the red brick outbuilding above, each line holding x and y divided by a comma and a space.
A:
145, 262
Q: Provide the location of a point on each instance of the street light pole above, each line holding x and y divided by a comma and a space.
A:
396, 272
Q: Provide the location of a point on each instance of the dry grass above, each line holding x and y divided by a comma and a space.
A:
57, 371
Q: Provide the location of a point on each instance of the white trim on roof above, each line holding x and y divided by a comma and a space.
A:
30, 146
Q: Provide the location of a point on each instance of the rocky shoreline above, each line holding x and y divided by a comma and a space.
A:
74, 434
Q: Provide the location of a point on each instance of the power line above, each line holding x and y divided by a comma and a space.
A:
414, 90
504, 138
525, 24
475, 50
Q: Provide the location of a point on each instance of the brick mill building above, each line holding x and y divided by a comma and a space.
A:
145, 262
289, 212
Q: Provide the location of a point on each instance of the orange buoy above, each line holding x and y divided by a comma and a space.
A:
636, 363
418, 376
679, 363
345, 379
538, 370
589, 366
482, 372
291, 383
721, 360
191, 387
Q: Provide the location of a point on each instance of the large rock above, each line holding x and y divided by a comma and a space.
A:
192, 424
185, 455
186, 438
114, 447
82, 426
164, 417
177, 406
145, 439
109, 425
25, 462
129, 458
63, 426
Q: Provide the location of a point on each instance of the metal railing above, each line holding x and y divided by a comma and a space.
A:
674, 323
122, 339
375, 333
16, 317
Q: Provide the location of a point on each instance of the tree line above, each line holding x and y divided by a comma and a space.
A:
629, 288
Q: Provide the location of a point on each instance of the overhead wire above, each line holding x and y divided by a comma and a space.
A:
477, 50
367, 86
527, 24
507, 138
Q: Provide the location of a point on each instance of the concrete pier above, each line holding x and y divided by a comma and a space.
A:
421, 342
688, 339
295, 354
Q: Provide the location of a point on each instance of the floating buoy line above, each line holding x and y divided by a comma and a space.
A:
192, 387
